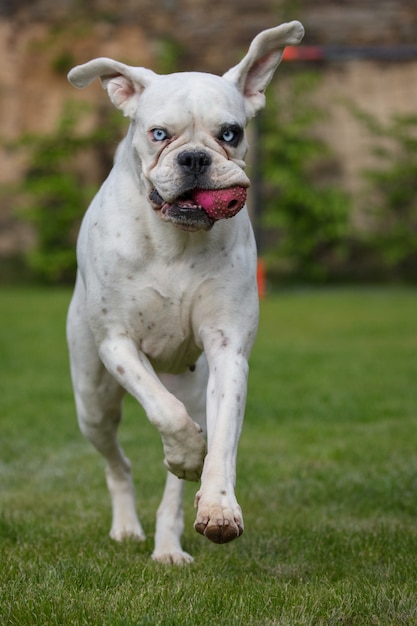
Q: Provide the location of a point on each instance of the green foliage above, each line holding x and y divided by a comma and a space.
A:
304, 204
57, 190
169, 53
391, 202
326, 478
63, 62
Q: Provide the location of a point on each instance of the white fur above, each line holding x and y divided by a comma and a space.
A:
152, 300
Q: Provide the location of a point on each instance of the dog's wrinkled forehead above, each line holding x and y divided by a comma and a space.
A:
182, 97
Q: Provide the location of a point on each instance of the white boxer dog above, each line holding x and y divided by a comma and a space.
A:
165, 304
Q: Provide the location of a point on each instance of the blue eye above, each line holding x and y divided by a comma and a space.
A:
228, 135
159, 134
231, 134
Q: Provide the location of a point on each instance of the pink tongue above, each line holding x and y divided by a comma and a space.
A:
221, 203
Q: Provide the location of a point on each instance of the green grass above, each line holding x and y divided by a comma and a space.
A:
327, 478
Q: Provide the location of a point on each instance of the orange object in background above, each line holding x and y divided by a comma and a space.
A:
261, 278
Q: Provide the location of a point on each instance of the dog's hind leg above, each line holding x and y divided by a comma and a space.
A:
98, 399
170, 525
190, 388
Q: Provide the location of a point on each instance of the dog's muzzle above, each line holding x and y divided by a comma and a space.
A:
184, 212
198, 209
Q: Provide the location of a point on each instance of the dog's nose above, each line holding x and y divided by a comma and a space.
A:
195, 162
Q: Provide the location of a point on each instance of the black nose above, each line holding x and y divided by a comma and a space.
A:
194, 162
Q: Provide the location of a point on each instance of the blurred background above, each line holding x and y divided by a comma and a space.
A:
333, 157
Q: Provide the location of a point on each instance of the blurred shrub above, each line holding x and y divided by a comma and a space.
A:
57, 190
390, 204
304, 208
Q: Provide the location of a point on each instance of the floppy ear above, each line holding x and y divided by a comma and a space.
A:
253, 74
124, 83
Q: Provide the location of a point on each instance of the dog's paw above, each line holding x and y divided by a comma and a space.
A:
133, 531
185, 451
218, 523
174, 557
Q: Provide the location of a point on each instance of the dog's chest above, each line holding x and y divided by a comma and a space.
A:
160, 320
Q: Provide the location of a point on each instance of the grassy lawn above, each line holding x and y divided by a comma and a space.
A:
327, 478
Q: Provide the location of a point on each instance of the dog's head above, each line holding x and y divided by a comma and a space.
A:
187, 129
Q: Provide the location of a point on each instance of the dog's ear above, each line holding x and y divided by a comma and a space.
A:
253, 74
124, 83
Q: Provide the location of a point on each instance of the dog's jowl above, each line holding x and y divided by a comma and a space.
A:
165, 305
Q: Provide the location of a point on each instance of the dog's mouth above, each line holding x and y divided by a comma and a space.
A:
199, 209
185, 213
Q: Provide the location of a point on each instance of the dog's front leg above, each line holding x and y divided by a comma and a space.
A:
219, 515
184, 446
